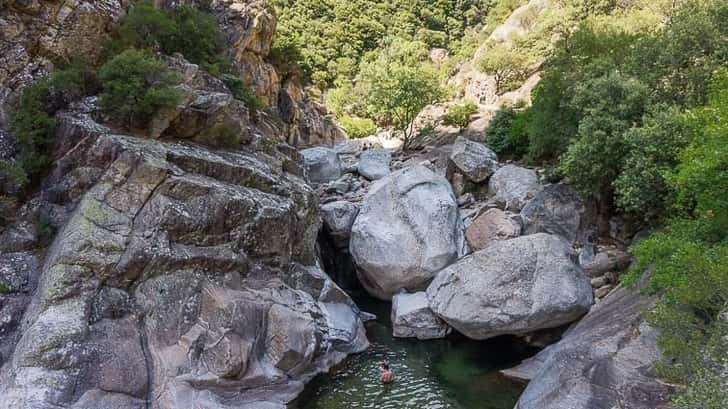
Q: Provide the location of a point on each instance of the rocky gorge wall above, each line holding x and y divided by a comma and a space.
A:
37, 36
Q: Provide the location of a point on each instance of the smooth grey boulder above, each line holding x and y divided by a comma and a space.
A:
412, 318
557, 209
321, 164
514, 286
408, 228
602, 362
338, 218
374, 163
512, 186
492, 225
473, 159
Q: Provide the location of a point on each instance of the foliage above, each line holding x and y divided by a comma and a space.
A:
609, 106
653, 152
329, 38
509, 66
398, 85
44, 229
689, 262
136, 86
242, 91
506, 135
459, 115
358, 127
185, 30
33, 124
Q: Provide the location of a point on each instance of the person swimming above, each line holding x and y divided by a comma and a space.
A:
386, 374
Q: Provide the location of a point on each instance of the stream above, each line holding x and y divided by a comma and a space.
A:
451, 373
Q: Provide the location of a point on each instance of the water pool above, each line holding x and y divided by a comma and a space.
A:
454, 373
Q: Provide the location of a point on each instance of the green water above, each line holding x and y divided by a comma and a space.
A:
455, 373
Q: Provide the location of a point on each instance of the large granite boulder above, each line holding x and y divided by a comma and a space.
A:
338, 219
512, 186
412, 318
408, 228
603, 362
473, 159
182, 274
322, 164
493, 224
374, 163
514, 286
557, 209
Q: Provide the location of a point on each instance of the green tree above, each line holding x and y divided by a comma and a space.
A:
399, 83
136, 86
508, 66
688, 261
610, 105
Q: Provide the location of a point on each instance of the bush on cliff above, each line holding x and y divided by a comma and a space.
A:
33, 123
136, 86
459, 115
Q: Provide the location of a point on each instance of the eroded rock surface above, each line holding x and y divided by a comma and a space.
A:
474, 160
374, 163
557, 209
181, 274
514, 286
602, 362
408, 228
491, 225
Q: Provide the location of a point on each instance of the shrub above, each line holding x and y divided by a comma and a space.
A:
185, 30
44, 229
459, 115
508, 66
506, 134
33, 124
242, 91
136, 86
358, 127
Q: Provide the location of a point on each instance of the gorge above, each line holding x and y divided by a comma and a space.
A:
195, 216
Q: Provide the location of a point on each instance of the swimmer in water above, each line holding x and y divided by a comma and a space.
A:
386, 374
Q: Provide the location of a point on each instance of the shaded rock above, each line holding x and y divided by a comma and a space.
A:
606, 260
412, 318
321, 164
374, 163
512, 287
512, 186
603, 361
490, 226
557, 209
338, 219
408, 228
473, 159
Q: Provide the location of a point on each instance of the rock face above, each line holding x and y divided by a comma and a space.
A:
473, 160
557, 209
408, 228
374, 163
512, 287
494, 224
322, 164
512, 186
412, 318
602, 362
36, 35
179, 273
